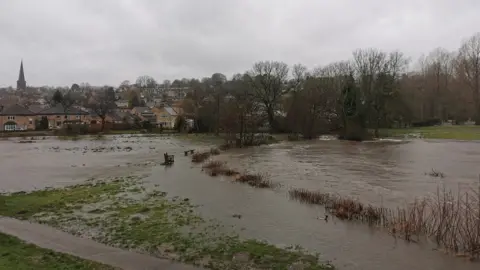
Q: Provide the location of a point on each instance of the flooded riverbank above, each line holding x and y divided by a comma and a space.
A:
384, 172
387, 173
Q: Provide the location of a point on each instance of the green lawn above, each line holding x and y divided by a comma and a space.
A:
437, 132
18, 255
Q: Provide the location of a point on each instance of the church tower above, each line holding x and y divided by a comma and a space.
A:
21, 83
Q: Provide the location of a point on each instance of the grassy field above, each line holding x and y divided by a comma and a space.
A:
122, 213
16, 254
436, 132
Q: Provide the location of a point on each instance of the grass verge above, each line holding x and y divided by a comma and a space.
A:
122, 213
436, 132
16, 254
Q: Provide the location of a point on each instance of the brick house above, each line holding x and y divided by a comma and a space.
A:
16, 117
57, 116
145, 114
166, 116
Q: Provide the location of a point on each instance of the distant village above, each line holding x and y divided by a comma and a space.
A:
23, 108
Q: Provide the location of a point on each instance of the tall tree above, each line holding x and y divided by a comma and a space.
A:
103, 105
268, 79
469, 70
75, 87
145, 82
218, 80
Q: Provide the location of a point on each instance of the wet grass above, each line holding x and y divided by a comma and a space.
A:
451, 221
16, 254
120, 213
458, 132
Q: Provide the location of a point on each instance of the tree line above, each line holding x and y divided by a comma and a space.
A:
373, 89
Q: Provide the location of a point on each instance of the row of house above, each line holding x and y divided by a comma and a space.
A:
16, 117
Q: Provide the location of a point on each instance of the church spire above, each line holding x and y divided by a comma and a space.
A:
21, 83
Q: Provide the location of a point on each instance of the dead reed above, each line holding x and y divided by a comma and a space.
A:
214, 151
200, 157
451, 220
215, 168
343, 208
255, 180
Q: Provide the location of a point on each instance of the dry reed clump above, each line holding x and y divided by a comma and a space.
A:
214, 151
200, 157
343, 208
451, 221
215, 168
255, 180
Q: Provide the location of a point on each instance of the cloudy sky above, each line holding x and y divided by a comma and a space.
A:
108, 41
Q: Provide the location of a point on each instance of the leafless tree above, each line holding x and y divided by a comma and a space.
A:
378, 73
145, 82
313, 107
268, 80
241, 115
166, 84
103, 105
469, 69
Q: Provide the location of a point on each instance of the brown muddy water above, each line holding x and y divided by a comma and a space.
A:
383, 172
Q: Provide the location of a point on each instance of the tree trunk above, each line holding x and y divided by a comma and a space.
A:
103, 125
476, 100
271, 119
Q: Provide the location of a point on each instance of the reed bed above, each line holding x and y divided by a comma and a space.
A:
343, 208
451, 221
255, 180
215, 168
200, 157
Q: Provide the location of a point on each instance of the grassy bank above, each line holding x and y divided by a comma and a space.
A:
16, 254
436, 132
122, 213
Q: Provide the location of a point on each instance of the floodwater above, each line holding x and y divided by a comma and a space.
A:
383, 172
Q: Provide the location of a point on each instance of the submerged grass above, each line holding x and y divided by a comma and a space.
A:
16, 254
119, 213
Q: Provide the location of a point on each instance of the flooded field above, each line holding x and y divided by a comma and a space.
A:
384, 172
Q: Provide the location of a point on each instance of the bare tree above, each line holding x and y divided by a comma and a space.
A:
313, 107
75, 87
145, 82
218, 80
103, 105
166, 84
469, 69
241, 118
268, 80
378, 74
124, 85
437, 73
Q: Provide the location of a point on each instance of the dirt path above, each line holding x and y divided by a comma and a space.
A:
47, 237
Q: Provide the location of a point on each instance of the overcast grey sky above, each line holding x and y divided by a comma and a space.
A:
108, 41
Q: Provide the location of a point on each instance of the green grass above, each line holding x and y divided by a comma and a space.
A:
122, 213
437, 132
18, 255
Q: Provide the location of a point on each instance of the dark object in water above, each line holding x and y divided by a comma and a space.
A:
189, 151
168, 159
